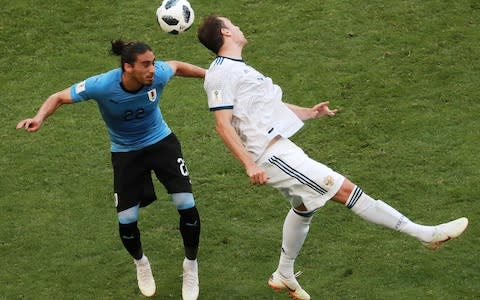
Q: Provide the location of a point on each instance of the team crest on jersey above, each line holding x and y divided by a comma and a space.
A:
152, 95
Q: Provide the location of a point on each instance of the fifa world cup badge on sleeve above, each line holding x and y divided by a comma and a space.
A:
80, 87
217, 96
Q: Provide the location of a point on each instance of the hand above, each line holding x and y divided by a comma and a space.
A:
29, 125
322, 109
257, 175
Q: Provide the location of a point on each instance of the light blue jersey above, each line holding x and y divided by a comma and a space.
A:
133, 119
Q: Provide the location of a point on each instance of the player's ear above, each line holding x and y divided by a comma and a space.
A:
127, 67
225, 31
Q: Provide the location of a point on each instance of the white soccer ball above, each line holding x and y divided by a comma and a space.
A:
175, 16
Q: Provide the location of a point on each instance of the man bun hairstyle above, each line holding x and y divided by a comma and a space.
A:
128, 52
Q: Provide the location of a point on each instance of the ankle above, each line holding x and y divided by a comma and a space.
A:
142, 260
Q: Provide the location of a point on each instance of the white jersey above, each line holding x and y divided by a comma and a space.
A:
259, 114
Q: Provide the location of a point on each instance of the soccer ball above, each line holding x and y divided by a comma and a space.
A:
175, 16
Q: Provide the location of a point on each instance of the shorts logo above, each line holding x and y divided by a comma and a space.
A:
152, 95
115, 199
329, 181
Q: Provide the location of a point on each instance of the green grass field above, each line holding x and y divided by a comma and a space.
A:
405, 75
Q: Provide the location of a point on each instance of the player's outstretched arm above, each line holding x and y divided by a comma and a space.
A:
317, 111
186, 70
48, 107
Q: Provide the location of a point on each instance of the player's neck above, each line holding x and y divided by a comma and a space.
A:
231, 56
129, 84
231, 52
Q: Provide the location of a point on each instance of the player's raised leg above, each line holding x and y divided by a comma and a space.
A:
379, 212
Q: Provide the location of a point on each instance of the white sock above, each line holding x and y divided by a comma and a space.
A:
295, 230
142, 260
190, 264
378, 212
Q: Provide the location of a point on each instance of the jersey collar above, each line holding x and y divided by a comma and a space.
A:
234, 59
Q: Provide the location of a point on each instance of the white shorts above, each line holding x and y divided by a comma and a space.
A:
300, 178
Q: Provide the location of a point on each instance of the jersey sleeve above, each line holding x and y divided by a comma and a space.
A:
220, 90
163, 72
86, 89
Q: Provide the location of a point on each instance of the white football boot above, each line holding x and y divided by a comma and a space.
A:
291, 285
146, 283
190, 288
445, 232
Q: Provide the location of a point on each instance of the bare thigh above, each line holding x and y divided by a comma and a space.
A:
344, 192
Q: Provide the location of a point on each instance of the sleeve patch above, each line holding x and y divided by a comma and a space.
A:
217, 96
80, 87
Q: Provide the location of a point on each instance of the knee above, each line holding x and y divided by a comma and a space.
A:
183, 200
129, 215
